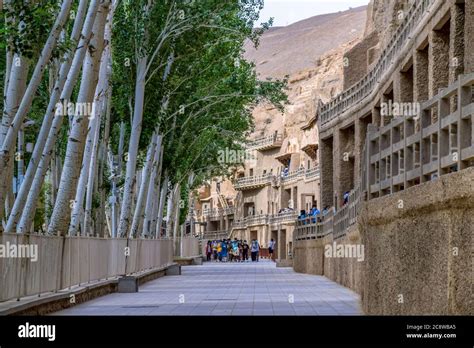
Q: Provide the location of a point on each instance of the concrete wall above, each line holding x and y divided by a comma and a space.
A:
309, 258
357, 60
418, 250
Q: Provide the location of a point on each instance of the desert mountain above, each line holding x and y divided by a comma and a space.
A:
311, 53
297, 47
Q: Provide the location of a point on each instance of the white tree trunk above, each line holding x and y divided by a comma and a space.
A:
138, 215
77, 136
152, 199
10, 138
161, 208
125, 214
176, 211
14, 92
57, 92
173, 212
89, 160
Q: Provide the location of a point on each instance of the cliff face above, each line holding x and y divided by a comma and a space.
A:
311, 53
383, 18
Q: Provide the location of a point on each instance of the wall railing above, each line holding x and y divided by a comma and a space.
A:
415, 149
218, 212
406, 152
366, 85
269, 141
331, 222
254, 181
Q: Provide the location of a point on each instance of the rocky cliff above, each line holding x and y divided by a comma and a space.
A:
311, 53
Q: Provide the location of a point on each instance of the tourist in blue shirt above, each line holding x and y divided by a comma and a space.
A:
314, 212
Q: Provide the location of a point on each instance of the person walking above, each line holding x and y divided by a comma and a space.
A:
219, 250
254, 250
214, 250
224, 251
245, 251
208, 250
271, 247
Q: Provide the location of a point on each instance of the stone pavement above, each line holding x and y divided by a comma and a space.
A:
253, 288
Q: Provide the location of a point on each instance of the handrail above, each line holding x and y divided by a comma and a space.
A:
400, 154
293, 175
312, 173
264, 141
364, 87
335, 223
254, 180
218, 212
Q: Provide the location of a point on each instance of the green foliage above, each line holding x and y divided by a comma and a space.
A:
28, 25
205, 104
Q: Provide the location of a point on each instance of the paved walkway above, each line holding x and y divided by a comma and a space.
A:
253, 288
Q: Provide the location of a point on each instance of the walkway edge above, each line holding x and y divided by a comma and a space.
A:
52, 302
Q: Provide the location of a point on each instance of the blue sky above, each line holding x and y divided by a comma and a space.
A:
286, 12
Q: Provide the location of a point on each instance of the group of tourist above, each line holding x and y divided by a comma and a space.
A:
235, 250
316, 215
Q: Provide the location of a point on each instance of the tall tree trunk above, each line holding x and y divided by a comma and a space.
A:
28, 211
77, 136
89, 159
152, 199
125, 214
25, 105
138, 215
69, 72
161, 208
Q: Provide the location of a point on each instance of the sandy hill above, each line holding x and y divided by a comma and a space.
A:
297, 47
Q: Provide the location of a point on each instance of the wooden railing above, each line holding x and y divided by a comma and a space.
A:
283, 217
263, 219
292, 176
406, 152
216, 235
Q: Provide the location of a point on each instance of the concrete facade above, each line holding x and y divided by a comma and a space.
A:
415, 170
433, 56
417, 259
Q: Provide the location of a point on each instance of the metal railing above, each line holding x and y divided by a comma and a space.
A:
269, 141
365, 86
64, 262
